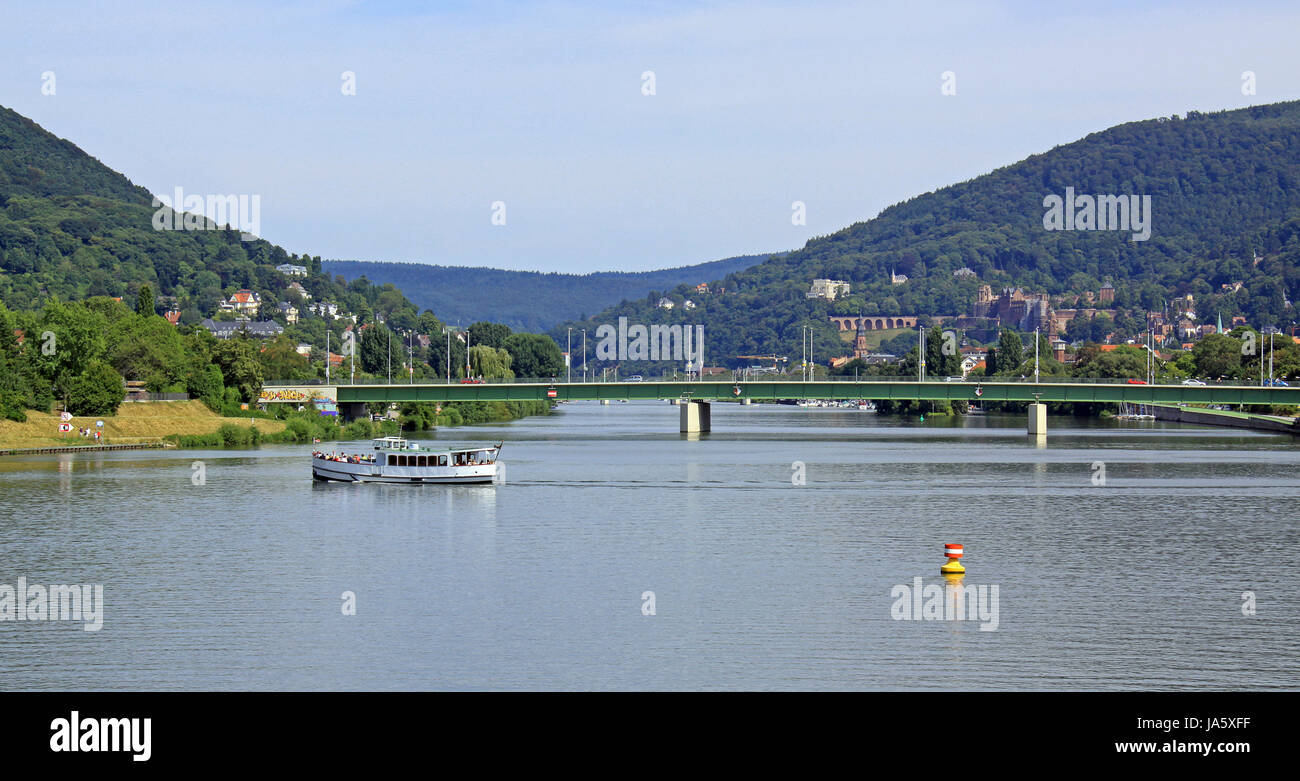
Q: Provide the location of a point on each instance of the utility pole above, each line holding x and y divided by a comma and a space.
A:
920, 349
1035, 355
390, 354
327, 355
410, 358
352, 380
447, 333
466, 352
568, 358
1270, 357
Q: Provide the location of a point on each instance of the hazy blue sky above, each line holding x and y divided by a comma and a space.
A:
540, 105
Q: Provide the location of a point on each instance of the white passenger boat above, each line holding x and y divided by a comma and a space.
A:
394, 460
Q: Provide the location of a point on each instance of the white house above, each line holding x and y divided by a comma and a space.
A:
290, 270
828, 289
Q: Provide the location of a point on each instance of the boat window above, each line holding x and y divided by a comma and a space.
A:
423, 461
401, 460
442, 460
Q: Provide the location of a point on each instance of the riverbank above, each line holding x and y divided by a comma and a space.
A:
1216, 417
193, 424
134, 424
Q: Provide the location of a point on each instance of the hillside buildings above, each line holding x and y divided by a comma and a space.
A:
829, 289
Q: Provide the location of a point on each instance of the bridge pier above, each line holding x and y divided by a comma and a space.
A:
695, 417
354, 410
1038, 419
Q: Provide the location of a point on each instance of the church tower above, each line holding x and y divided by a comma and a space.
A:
860, 339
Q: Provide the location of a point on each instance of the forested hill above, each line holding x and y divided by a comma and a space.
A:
72, 228
1225, 198
527, 300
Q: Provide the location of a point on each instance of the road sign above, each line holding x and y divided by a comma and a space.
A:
65, 427
65, 416
99, 423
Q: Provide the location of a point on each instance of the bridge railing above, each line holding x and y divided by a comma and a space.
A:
762, 378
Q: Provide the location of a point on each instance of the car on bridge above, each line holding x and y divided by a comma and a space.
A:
634, 378
1137, 382
1278, 383
471, 381
1190, 381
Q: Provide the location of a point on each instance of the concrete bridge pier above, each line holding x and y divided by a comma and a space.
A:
354, 410
1038, 419
695, 417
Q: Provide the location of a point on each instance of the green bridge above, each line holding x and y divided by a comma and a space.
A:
694, 396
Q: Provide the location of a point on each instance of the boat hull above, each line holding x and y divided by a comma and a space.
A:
346, 472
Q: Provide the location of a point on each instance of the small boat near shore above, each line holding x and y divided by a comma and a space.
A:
395, 460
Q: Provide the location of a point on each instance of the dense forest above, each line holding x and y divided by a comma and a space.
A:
1225, 195
526, 300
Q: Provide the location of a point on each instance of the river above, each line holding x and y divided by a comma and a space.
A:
226, 570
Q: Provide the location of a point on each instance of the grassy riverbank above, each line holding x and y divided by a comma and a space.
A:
134, 423
193, 424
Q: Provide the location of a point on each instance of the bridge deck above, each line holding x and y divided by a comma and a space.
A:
1112, 392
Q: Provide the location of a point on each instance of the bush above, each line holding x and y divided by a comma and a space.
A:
98, 391
11, 406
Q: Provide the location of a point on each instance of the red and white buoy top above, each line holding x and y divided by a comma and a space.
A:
952, 550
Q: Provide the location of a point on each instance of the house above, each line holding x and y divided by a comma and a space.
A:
300, 290
303, 349
828, 289
335, 359
665, 303
289, 311
703, 287
290, 270
714, 371
896, 279
324, 308
688, 304
245, 302
265, 329
963, 272
173, 315
1107, 293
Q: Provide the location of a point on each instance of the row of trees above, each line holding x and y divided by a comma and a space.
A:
78, 354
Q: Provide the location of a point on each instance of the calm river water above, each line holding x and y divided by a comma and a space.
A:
758, 583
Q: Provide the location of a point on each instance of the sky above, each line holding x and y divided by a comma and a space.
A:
541, 115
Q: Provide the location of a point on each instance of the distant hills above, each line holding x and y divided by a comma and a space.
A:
528, 300
1225, 199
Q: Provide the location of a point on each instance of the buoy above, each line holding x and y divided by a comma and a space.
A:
953, 551
923, 418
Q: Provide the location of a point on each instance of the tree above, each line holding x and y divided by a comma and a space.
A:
488, 334
534, 355
1124, 362
97, 391
240, 370
71, 338
376, 342
1011, 351
489, 363
1217, 356
147, 348
144, 302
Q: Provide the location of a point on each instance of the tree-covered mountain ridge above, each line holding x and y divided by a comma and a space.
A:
1224, 189
528, 300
